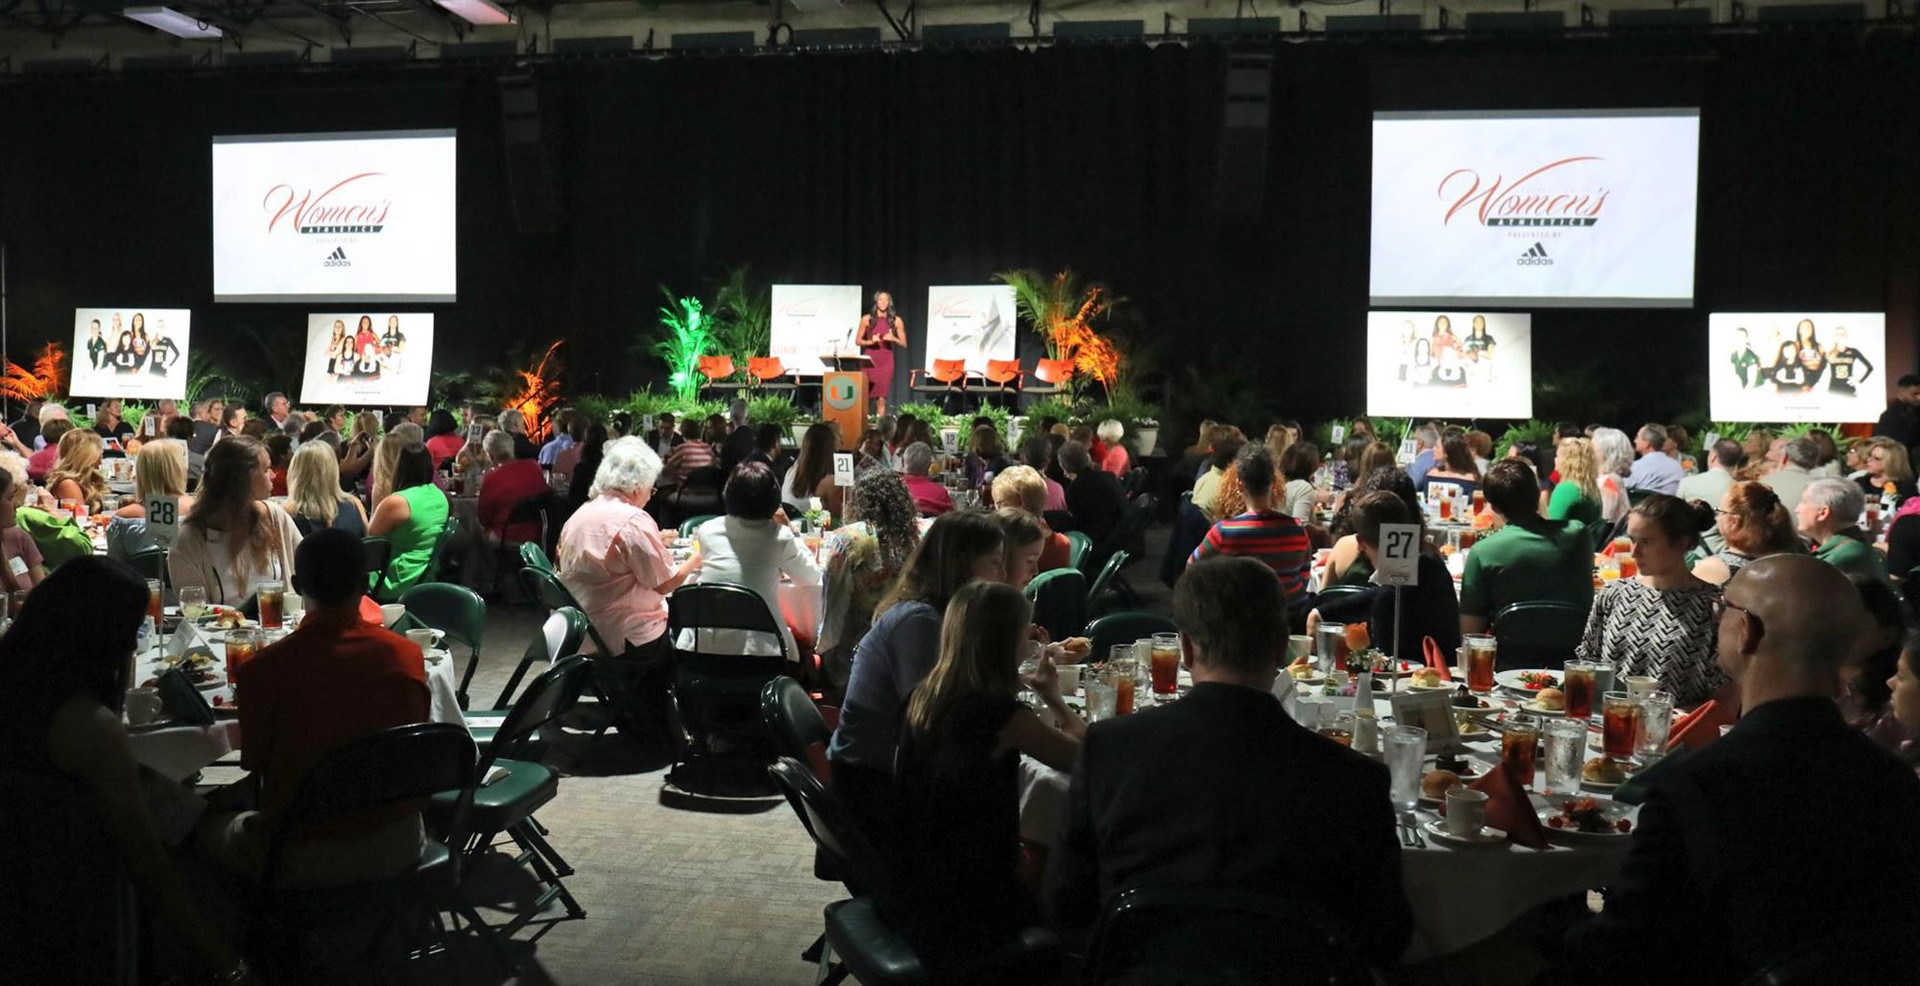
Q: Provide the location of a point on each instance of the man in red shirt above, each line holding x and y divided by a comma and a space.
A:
334, 680
510, 481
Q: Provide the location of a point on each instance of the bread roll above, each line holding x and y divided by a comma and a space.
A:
1552, 699
1603, 770
1437, 783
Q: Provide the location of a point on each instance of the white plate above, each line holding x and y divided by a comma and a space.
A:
1510, 680
1488, 836
1613, 812
1533, 708
1450, 686
1318, 679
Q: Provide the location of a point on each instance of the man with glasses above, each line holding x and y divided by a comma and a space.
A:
1828, 515
1750, 849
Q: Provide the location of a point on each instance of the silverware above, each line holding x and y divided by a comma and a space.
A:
1410, 831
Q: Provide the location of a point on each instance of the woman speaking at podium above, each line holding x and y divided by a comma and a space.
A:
881, 331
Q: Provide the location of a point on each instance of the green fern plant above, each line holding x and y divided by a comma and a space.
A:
772, 409
1049, 407
743, 318
1539, 432
686, 335
932, 414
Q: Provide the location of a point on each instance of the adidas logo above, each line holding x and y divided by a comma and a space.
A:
338, 258
1536, 256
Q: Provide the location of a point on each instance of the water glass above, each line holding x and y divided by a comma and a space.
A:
193, 601
1100, 699
1656, 721
1602, 677
1405, 752
1566, 754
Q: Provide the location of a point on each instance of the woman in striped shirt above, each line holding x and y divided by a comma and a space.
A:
1262, 533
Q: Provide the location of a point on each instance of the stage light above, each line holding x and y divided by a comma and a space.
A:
174, 22
475, 11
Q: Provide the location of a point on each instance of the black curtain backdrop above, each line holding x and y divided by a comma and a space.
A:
904, 170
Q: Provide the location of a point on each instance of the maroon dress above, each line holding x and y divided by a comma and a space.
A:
880, 373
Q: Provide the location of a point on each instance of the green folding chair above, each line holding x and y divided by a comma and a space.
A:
1078, 544
1538, 633
532, 556
1124, 628
437, 562
1115, 562
553, 594
687, 526
456, 611
1059, 601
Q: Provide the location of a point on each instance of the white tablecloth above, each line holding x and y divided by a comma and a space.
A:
179, 751
1459, 896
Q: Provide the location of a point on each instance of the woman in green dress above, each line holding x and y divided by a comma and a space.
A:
1577, 495
412, 517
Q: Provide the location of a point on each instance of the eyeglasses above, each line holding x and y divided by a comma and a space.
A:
1722, 604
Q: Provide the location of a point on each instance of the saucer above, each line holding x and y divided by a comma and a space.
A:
1487, 836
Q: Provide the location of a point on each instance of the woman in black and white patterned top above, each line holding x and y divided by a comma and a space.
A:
1660, 623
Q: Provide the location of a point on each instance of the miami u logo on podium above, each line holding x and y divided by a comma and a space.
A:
840, 394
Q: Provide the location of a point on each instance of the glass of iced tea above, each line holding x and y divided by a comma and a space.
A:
242, 644
1620, 725
271, 595
1629, 566
1340, 730
1120, 677
1446, 508
1469, 538
1520, 745
1578, 682
1166, 663
1479, 500
154, 606
1482, 652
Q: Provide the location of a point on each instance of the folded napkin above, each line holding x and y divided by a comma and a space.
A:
1702, 726
1430, 649
1509, 808
370, 612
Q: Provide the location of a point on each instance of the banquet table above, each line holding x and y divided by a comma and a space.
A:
1459, 896
177, 750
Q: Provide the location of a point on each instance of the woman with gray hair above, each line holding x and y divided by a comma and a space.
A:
511, 482
614, 560
1614, 453
513, 421
929, 497
1116, 461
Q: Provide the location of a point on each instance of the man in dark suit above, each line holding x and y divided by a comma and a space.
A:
1793, 831
1900, 420
1224, 788
1094, 496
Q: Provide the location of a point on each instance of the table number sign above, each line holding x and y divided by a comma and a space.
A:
1339, 435
843, 468
1399, 554
163, 518
1409, 450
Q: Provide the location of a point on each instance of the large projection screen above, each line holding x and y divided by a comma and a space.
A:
1824, 367
1532, 209
1457, 364
814, 320
360, 358
973, 322
338, 217
131, 352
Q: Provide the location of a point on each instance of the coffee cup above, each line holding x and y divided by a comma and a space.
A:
391, 613
1466, 811
1298, 646
1640, 685
426, 638
1069, 678
143, 705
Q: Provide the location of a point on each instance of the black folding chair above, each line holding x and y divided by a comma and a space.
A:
398, 766
378, 552
716, 692
1198, 934
1538, 633
797, 727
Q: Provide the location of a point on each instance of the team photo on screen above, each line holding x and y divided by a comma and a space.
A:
1796, 367
368, 358
130, 352
1474, 364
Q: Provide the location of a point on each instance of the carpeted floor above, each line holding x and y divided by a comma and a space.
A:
671, 894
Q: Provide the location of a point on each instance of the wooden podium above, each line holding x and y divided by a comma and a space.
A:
843, 397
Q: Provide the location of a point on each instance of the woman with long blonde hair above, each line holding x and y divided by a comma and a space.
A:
314, 499
385, 456
160, 470
356, 452
1279, 437
1577, 495
76, 473
958, 775
233, 539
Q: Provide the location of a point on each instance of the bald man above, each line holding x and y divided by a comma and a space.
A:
1793, 831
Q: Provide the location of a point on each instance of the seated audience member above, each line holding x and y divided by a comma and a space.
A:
613, 559
562, 438
1430, 608
1236, 780
21, 564
234, 423
444, 437
1903, 540
867, 559
412, 518
509, 483
812, 469
1025, 488
26, 428
1887, 463
110, 424
1116, 461
1793, 461
986, 456
1530, 558
1481, 445
1084, 434
333, 680
766, 446
895, 656
586, 466
1829, 515
1037, 453
50, 413
41, 462
279, 446
749, 546
1261, 533
1193, 459
1577, 495
700, 450
1094, 497
1613, 453
958, 779
513, 421
160, 469
1723, 877
75, 475
1347, 564
1222, 447
1660, 622
1758, 452
1710, 485
314, 500
180, 429
232, 539
357, 453
664, 438
1426, 439
1654, 471
1903, 695
64, 668
1752, 523
1297, 497
560, 470
1025, 536
929, 497
1453, 465
1866, 675
739, 441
